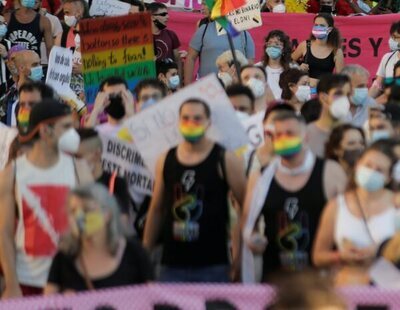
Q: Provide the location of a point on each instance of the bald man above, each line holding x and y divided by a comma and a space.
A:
28, 68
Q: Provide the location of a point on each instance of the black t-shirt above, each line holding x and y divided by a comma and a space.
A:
135, 268
120, 190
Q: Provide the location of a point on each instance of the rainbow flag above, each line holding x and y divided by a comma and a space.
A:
220, 8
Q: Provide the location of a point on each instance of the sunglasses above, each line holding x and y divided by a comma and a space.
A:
161, 14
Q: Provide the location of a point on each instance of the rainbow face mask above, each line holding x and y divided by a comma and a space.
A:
191, 131
23, 119
287, 146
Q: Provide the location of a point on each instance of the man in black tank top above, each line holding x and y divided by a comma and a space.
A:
190, 204
299, 189
27, 27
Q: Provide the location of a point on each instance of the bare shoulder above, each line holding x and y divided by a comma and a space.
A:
333, 168
7, 178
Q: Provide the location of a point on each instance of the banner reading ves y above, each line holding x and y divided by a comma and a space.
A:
116, 46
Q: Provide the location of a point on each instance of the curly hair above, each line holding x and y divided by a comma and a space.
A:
287, 48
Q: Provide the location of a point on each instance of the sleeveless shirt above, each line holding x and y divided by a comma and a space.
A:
291, 220
42, 215
319, 66
28, 35
196, 205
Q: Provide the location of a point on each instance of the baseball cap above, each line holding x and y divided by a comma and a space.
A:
44, 112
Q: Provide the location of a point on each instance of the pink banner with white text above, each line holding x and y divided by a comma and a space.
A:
193, 297
365, 37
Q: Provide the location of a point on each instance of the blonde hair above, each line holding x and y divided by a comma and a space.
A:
227, 57
70, 243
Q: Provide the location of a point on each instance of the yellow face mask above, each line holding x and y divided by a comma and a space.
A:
90, 222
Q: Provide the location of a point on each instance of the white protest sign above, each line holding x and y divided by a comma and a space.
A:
109, 8
255, 129
60, 69
125, 159
7, 135
244, 18
155, 130
180, 4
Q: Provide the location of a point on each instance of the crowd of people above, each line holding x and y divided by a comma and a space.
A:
320, 193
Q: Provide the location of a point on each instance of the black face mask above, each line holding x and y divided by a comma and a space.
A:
159, 25
116, 108
351, 156
326, 9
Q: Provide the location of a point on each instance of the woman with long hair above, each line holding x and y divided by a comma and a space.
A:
277, 49
322, 53
95, 253
354, 224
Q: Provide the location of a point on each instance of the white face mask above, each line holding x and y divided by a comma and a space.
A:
70, 20
303, 93
225, 78
174, 82
257, 87
69, 141
280, 8
380, 134
340, 107
393, 45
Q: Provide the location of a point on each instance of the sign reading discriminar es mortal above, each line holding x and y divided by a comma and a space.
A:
116, 46
245, 17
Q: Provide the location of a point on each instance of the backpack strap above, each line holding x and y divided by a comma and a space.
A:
390, 57
202, 41
250, 163
308, 50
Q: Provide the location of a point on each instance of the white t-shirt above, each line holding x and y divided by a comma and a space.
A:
273, 76
386, 66
108, 129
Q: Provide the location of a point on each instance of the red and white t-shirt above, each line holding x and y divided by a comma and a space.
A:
42, 216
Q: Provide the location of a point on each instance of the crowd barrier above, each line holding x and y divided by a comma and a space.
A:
193, 297
365, 37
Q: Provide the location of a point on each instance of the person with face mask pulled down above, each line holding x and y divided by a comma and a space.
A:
288, 197
334, 92
255, 78
189, 202
166, 42
354, 224
43, 176
96, 254
115, 99
28, 28
227, 69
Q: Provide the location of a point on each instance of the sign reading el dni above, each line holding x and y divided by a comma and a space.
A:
116, 46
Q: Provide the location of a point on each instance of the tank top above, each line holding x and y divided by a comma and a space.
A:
42, 215
291, 220
318, 66
29, 35
348, 226
196, 220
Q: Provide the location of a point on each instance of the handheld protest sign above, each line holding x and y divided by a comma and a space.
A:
116, 46
109, 8
155, 130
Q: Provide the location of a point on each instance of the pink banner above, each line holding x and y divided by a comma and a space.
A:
193, 297
365, 37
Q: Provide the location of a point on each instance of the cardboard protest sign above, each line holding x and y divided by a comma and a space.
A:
155, 130
7, 135
254, 129
109, 8
59, 69
124, 158
116, 46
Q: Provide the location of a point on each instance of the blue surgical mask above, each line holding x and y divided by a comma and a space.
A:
174, 81
36, 73
381, 134
30, 4
3, 30
360, 96
369, 179
274, 52
148, 103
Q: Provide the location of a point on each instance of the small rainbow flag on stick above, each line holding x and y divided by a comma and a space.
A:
220, 8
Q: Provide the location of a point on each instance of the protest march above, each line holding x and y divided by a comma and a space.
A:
199, 154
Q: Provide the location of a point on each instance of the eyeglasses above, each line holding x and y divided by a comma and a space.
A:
161, 14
